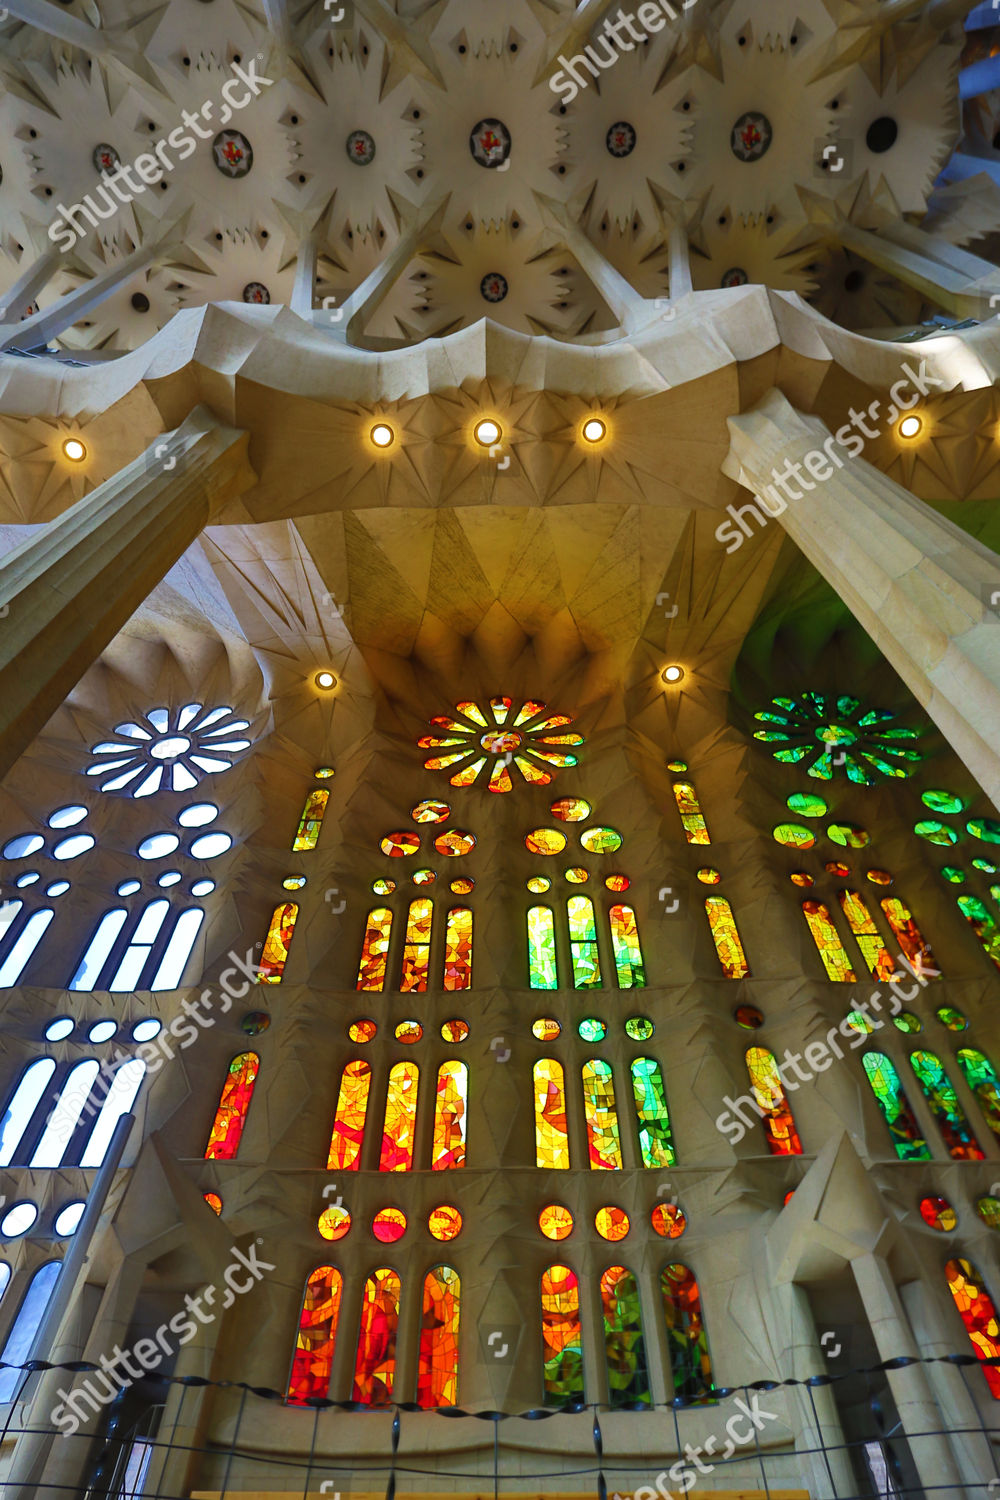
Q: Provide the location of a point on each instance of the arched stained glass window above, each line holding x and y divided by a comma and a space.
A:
27, 941
983, 925
562, 1345
437, 1376
686, 1334
978, 1313
349, 1120
417, 946
542, 971
64, 1119
458, 949
726, 938
867, 936
583, 943
551, 1130
24, 1101
375, 1367
271, 968
655, 1138
118, 1100
450, 1111
911, 940
400, 1118
940, 1095
625, 1348
312, 1363
692, 819
133, 961
231, 1116
909, 1143
26, 1325
828, 945
375, 950
982, 1079
769, 1091
311, 821
603, 1143
98, 950
625, 943
178, 950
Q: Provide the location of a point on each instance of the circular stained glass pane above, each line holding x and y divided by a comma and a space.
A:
612, 1223
211, 845
430, 812
708, 876
807, 805
601, 840
362, 1031
144, 1031
18, 1220
987, 829
936, 833
255, 1021
669, 1220
942, 802
67, 817
848, 836
455, 842
198, 814
158, 845
677, 766
383, 887
879, 877
102, 1031
399, 845
75, 845
858, 1022
799, 877
748, 1016
988, 1209
908, 1022
444, 1222
952, 1018
545, 1029
617, 882
837, 867
954, 874
639, 1028
59, 1029
389, 1225
454, 1030
538, 884
423, 877
570, 809
293, 882
408, 1031
938, 1213
67, 1220
545, 841
334, 1222
592, 1030
23, 845
793, 836
555, 1221
463, 885
577, 875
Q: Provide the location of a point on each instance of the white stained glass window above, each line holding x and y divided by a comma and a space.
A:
182, 939
26, 1324
129, 971
119, 1100
27, 941
63, 1120
99, 949
24, 1102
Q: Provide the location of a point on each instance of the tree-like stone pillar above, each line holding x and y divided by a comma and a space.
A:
68, 590
919, 585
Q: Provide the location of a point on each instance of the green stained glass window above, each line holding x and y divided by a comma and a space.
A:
629, 966
859, 1022
825, 734
987, 829
583, 943
603, 1142
592, 1030
983, 925
953, 873
601, 840
562, 1345
542, 971
655, 1139
848, 836
628, 1376
986, 866
807, 805
794, 836
980, 1075
686, 1335
988, 1209
639, 1028
895, 1107
952, 1018
907, 1022
942, 802
940, 1095
692, 818
935, 832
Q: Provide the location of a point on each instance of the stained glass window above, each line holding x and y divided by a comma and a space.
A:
793, 836
118, 1101
686, 1335
895, 1107
400, 1118
334, 1222
726, 938
437, 1377
23, 1103
866, 935
26, 1324
938, 1213
279, 936
349, 1121
571, 809
389, 1225
848, 836
230, 1117
583, 943
375, 950
521, 740
601, 840
807, 805
408, 1032
625, 943
62, 1122
979, 1315
312, 820
551, 1130
987, 829
814, 726
612, 1223
655, 1138
375, 1367
769, 1091
542, 971
458, 949
603, 1143
983, 925
625, 1349
828, 944
401, 844
444, 1222
545, 841
312, 1363
981, 1077
555, 1221
455, 842
692, 819
450, 1109
908, 935
668, 1220
940, 1095
562, 1345
417, 946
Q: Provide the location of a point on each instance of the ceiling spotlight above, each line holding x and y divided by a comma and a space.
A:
382, 435
325, 680
672, 674
594, 430
909, 427
488, 432
74, 450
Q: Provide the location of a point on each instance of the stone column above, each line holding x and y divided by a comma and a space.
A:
68, 590
940, 271
802, 1357
185, 1418
918, 584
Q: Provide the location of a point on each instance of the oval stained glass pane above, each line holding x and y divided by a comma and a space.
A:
617, 883
639, 1028
942, 802
848, 835
954, 874
555, 1221
592, 1030
838, 868
23, 845
801, 878
879, 877
793, 836
430, 812
463, 885
545, 841
399, 845
708, 876
408, 1031
668, 1220
362, 1031
454, 1030
538, 884
601, 840
987, 829
570, 809
938, 1213
444, 1222
545, 1029
935, 832
988, 1209
455, 842
908, 1023
748, 1016
389, 1225
423, 877
211, 845
952, 1018
677, 766
807, 805
577, 875
383, 887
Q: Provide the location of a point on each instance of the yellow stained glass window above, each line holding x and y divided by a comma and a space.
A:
555, 1221
629, 964
450, 1113
349, 1120
692, 819
417, 946
312, 820
583, 943
400, 1118
458, 949
551, 1130
545, 841
570, 809
375, 950
911, 940
542, 970
726, 938
769, 1091
276, 944
437, 1378
444, 1222
828, 945
866, 935
603, 1143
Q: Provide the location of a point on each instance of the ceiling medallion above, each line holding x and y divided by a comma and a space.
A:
106, 158
360, 148
751, 136
256, 291
494, 287
529, 743
735, 276
490, 143
620, 138
232, 153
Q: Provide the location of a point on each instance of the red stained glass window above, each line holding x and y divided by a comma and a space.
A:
375, 1367
312, 1363
349, 1121
768, 1090
276, 944
979, 1315
437, 1377
230, 1117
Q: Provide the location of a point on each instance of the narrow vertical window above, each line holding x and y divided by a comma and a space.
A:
349, 1120
400, 1118
655, 1139
437, 1376
603, 1143
271, 968
64, 1119
98, 950
692, 819
625, 1348
25, 1100
28, 939
311, 820
551, 1130
133, 961
982, 1079
178, 950
119, 1099
769, 1092
983, 925
231, 1115
978, 1313
726, 938
312, 1362
26, 1325
562, 1344
940, 1095
828, 945
450, 1106
375, 950
625, 943
909, 1143
417, 947
458, 949
542, 971
375, 1367
867, 936
686, 1335
912, 943
583, 943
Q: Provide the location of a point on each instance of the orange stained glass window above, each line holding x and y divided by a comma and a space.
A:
624, 1346
375, 1367
629, 966
828, 945
375, 950
458, 949
867, 936
450, 1111
583, 943
444, 1222
551, 1130
726, 938
692, 819
311, 820
349, 1120
603, 1143
437, 1378
417, 947
214, 1202
312, 1362
912, 943
976, 1309
768, 1090
612, 1223
276, 944
562, 1345
231, 1115
400, 1118
555, 1221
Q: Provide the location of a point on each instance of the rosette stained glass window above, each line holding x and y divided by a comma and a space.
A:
825, 734
474, 743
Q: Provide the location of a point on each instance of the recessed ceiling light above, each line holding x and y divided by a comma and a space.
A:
382, 435
74, 450
488, 432
672, 674
325, 680
594, 430
909, 427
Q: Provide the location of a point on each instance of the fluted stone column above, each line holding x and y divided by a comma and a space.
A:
918, 584
68, 590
